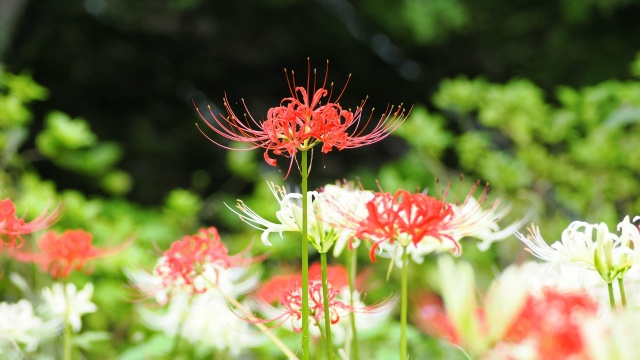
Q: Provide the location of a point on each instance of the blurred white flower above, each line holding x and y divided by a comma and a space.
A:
614, 336
203, 318
19, 325
483, 224
234, 282
69, 304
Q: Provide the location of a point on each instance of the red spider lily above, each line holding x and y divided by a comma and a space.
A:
553, 321
287, 290
194, 255
422, 220
302, 121
407, 218
12, 228
61, 253
271, 291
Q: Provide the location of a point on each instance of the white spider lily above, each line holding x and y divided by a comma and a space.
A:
326, 222
285, 215
591, 246
21, 327
68, 303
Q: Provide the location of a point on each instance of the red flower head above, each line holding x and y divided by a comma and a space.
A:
195, 260
407, 218
61, 253
302, 121
12, 228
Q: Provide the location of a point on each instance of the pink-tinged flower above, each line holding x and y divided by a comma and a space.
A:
12, 228
305, 119
271, 291
194, 263
285, 292
61, 253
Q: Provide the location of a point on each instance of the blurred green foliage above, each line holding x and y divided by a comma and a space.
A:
571, 157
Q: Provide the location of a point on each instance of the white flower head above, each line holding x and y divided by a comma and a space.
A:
591, 246
285, 216
326, 223
69, 304
342, 204
21, 327
613, 336
483, 224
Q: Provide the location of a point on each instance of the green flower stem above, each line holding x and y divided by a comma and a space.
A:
623, 297
403, 305
67, 343
612, 300
305, 259
325, 301
352, 266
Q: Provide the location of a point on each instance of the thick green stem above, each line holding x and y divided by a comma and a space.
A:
623, 296
305, 259
68, 348
325, 301
403, 305
352, 267
612, 300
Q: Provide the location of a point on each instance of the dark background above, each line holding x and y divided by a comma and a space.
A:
133, 68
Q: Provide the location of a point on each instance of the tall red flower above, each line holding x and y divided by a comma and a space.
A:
305, 119
61, 253
12, 228
407, 218
196, 256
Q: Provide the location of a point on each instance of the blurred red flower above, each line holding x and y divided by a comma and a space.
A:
12, 228
553, 321
61, 253
189, 257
